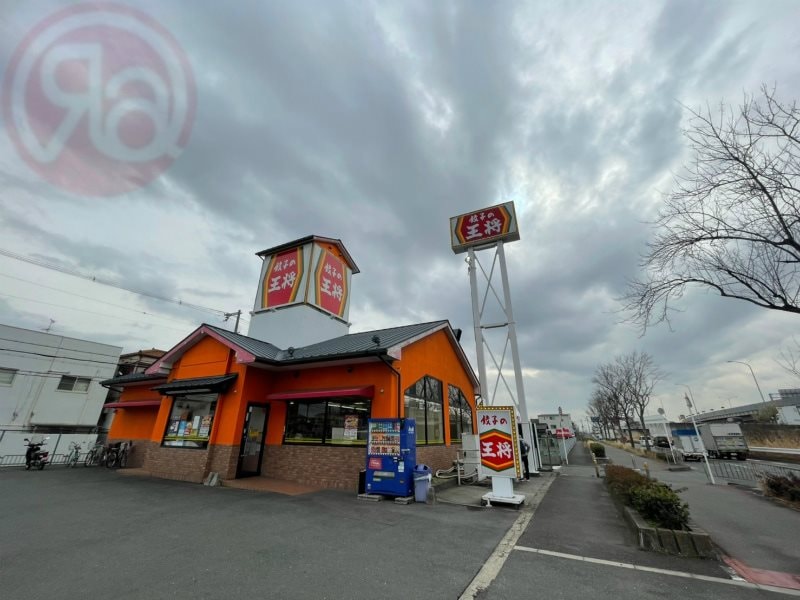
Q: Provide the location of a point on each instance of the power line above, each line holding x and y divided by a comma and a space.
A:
75, 273
91, 312
53, 347
102, 362
137, 311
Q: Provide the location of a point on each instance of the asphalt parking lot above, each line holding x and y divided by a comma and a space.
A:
93, 533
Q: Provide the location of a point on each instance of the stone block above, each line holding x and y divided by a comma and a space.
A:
666, 537
685, 545
703, 544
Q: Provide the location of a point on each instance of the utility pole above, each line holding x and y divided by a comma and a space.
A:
697, 432
238, 314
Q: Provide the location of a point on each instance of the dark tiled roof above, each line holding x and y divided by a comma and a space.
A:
350, 345
132, 378
218, 383
359, 343
262, 350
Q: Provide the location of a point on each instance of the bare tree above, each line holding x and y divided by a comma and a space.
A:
732, 222
609, 381
639, 376
789, 358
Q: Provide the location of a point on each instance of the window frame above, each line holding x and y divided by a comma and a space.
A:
461, 410
170, 419
324, 440
427, 398
75, 379
8, 371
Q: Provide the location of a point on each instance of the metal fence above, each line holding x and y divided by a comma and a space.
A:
749, 470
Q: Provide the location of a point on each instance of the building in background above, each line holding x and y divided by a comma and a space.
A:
291, 399
132, 363
557, 421
786, 402
50, 385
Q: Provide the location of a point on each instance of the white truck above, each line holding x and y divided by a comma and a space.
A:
723, 440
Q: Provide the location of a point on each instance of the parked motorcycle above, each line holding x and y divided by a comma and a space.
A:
34, 456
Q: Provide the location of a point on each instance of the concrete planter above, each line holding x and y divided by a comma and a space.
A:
694, 543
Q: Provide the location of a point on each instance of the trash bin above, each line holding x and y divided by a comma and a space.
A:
422, 482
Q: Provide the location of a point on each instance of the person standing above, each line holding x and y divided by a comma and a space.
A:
524, 449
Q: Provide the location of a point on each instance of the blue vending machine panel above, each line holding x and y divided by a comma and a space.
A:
391, 456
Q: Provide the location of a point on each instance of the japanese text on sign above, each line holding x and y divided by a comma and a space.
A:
282, 279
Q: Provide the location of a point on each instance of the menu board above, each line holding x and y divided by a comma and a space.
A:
384, 439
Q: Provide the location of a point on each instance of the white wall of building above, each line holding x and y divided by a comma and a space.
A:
40, 362
556, 421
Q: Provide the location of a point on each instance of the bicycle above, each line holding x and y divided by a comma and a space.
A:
95, 456
118, 454
74, 454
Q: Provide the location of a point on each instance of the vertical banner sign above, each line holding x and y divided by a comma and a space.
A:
497, 430
331, 283
282, 280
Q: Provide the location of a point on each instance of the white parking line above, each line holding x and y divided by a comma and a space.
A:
502, 551
685, 575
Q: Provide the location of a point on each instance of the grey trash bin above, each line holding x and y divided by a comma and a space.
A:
422, 482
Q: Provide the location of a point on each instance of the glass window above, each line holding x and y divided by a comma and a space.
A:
460, 413
190, 421
338, 421
74, 384
423, 402
7, 376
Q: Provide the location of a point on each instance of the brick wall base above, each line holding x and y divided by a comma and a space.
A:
317, 466
138, 452
223, 460
437, 457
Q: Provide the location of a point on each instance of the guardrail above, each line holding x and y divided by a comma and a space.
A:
749, 471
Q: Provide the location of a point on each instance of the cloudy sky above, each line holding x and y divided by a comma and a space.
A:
375, 122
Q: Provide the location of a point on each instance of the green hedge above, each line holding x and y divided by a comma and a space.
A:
656, 502
598, 449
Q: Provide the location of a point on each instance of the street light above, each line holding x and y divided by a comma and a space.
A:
754, 377
690, 404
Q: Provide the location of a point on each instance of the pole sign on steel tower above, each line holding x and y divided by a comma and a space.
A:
484, 227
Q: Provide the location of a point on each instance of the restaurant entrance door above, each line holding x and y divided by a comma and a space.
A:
251, 450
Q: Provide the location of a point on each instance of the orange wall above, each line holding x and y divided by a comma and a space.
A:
435, 356
135, 423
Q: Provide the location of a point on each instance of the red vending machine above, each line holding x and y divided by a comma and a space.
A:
391, 457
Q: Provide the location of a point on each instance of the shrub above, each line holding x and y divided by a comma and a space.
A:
660, 504
622, 480
787, 487
598, 449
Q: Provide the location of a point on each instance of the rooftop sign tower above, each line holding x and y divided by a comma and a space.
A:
303, 292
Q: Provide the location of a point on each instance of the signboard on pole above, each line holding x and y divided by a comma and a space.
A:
484, 227
499, 446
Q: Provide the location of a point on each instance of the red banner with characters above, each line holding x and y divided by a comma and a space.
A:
497, 430
282, 281
331, 283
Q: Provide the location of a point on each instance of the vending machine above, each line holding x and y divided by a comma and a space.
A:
391, 457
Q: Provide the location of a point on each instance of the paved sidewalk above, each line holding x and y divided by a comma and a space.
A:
577, 546
752, 531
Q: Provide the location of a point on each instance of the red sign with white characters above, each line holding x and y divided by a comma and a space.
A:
331, 283
484, 226
497, 430
282, 281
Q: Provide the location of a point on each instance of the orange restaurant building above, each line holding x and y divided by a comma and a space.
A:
291, 399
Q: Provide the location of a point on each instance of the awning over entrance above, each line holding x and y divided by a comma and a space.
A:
367, 391
134, 404
197, 385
